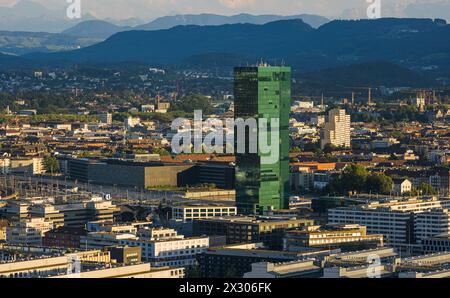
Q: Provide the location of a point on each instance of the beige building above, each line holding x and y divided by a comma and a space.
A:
188, 213
294, 269
364, 271
75, 214
330, 236
160, 233
130, 271
70, 266
337, 129
31, 166
3, 225
176, 251
28, 231
402, 186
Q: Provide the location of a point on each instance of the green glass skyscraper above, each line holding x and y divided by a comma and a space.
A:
263, 92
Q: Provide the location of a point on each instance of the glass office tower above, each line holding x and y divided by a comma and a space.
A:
263, 92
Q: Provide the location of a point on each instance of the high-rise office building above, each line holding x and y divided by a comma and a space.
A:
263, 92
337, 129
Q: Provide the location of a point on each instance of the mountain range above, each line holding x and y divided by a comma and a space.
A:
30, 27
20, 43
30, 16
168, 22
94, 29
413, 43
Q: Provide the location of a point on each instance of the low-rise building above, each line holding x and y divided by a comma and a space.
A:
187, 213
394, 219
64, 237
294, 269
240, 229
233, 261
332, 236
436, 244
28, 231
125, 255
171, 251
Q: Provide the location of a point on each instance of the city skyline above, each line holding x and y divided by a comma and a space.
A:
202, 147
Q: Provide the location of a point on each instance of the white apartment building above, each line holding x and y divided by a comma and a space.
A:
383, 143
171, 252
49, 265
356, 272
337, 129
431, 223
395, 219
62, 267
129, 271
152, 234
72, 214
188, 213
402, 186
304, 104
100, 240
28, 231
116, 228
30, 166
131, 122
294, 269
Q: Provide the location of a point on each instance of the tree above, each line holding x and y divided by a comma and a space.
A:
160, 151
311, 147
51, 165
193, 102
426, 189
329, 148
296, 150
354, 178
379, 183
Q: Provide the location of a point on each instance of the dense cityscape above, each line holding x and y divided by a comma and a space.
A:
355, 182
105, 188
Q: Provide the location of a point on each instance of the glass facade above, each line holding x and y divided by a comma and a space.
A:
263, 92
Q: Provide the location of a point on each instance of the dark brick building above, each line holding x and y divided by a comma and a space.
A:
65, 237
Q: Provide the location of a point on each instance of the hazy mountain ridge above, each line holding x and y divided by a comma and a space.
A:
168, 22
94, 29
20, 43
30, 16
413, 43
18, 23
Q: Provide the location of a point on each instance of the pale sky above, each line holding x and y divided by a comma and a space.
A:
149, 9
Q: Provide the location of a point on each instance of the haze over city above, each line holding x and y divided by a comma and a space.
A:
150, 9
